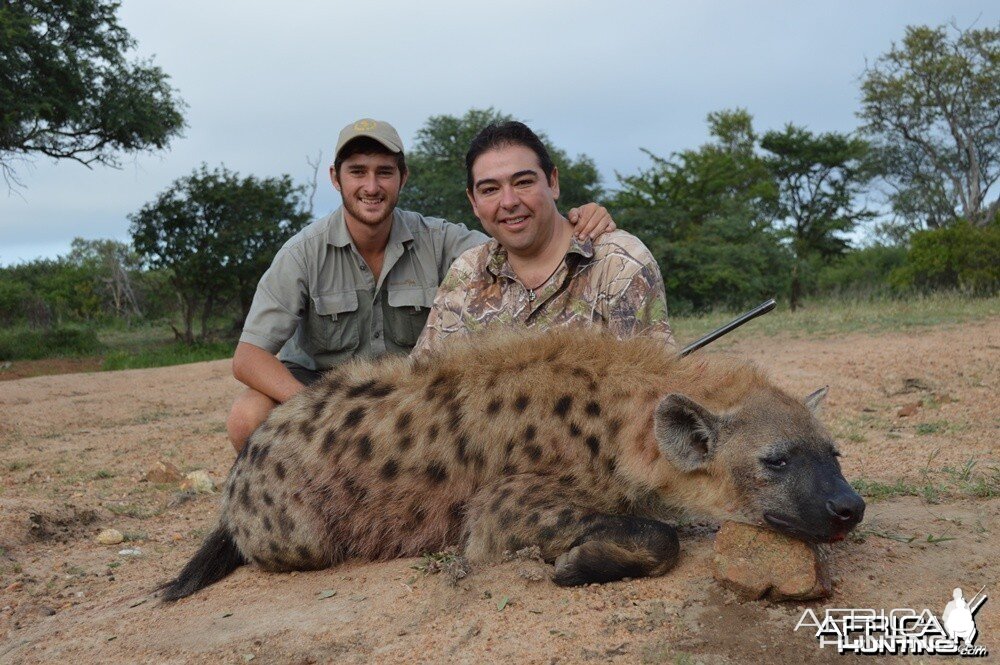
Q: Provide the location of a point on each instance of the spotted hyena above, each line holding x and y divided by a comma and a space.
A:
572, 441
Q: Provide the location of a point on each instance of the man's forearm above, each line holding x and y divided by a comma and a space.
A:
261, 370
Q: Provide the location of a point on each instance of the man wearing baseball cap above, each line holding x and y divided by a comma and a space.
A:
357, 283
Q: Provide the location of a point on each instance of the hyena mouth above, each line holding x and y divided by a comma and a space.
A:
790, 528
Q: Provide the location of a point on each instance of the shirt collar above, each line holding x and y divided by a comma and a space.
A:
339, 236
400, 232
498, 265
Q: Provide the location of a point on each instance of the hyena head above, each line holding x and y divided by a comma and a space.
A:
776, 463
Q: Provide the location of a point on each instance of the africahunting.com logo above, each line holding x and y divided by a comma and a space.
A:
900, 631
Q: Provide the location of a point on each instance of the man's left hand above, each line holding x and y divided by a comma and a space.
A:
591, 220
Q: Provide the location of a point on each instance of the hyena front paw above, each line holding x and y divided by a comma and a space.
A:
595, 561
605, 561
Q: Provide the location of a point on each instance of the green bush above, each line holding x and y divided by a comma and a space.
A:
723, 266
960, 256
13, 298
28, 344
863, 272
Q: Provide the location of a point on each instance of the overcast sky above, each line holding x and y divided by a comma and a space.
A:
268, 84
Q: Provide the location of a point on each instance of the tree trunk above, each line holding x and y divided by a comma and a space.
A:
188, 322
187, 311
246, 300
206, 314
796, 293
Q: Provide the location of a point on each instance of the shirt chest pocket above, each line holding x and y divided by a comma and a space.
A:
334, 323
407, 313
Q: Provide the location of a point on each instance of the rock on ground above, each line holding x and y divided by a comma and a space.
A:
755, 562
163, 472
109, 537
199, 482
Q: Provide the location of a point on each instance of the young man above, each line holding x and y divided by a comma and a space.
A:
359, 282
534, 272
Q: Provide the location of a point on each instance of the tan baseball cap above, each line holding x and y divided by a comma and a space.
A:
381, 131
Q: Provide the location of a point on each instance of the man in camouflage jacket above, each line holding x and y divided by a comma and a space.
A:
534, 273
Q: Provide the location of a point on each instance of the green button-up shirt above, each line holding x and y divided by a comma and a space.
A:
319, 305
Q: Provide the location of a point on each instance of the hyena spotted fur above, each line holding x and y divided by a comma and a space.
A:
572, 441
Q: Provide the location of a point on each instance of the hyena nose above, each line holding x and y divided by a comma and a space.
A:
848, 508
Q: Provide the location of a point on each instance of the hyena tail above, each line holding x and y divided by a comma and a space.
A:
217, 558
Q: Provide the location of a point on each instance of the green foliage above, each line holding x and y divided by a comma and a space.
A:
860, 273
931, 105
725, 263
98, 280
706, 215
960, 256
820, 178
14, 294
31, 344
215, 233
67, 90
112, 266
47, 292
436, 185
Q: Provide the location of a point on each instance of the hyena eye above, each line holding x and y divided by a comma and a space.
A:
777, 462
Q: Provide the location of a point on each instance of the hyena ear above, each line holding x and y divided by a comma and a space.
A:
816, 398
686, 431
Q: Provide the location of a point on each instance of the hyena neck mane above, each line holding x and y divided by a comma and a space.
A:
594, 360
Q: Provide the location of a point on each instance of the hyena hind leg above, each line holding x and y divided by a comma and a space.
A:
618, 546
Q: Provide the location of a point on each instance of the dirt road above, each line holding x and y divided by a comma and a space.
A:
74, 450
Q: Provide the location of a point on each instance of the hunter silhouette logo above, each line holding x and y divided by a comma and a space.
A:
959, 617
901, 631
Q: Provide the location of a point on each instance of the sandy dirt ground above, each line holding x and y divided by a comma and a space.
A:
74, 449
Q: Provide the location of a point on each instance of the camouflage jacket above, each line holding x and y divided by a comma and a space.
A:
612, 281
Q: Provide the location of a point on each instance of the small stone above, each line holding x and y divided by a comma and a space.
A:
908, 410
109, 537
198, 481
755, 562
533, 573
164, 472
132, 551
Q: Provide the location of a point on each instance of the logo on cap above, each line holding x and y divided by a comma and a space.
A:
364, 125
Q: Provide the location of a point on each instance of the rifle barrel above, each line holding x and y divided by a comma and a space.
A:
972, 605
762, 308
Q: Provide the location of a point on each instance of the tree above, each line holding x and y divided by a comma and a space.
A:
931, 106
820, 178
112, 263
436, 185
216, 232
67, 90
706, 216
